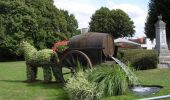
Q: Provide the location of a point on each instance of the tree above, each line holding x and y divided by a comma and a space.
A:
115, 22
35, 21
72, 23
156, 8
99, 20
17, 21
50, 20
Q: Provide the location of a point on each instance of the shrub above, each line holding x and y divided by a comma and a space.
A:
139, 58
33, 56
111, 80
79, 88
103, 80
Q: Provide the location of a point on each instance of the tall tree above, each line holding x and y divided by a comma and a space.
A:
156, 8
36, 21
99, 20
120, 24
50, 20
72, 23
115, 22
17, 21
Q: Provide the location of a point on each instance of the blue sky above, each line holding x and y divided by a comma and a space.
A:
83, 10
142, 3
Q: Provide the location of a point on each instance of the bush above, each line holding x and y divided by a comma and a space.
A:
6, 55
110, 79
79, 88
104, 80
139, 58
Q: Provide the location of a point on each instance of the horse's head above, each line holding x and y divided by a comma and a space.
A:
25, 47
22, 45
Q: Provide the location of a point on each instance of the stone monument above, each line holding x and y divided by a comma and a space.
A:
161, 41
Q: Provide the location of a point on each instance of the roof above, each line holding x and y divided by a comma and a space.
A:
139, 40
122, 41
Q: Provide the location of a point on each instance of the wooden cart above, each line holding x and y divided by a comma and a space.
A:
84, 51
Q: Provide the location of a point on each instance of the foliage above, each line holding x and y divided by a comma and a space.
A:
104, 80
60, 46
110, 79
115, 22
79, 88
33, 56
156, 8
99, 20
35, 21
139, 58
28, 50
42, 56
72, 23
5, 55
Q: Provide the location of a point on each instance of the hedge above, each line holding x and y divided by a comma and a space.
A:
141, 59
6, 55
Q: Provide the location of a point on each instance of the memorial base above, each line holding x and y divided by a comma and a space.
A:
164, 65
164, 55
164, 59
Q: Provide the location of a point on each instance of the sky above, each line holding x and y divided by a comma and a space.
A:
83, 10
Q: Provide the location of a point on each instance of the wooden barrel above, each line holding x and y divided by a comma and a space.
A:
93, 40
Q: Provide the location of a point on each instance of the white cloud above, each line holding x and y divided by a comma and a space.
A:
83, 10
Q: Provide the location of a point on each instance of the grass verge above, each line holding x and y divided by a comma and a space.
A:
12, 88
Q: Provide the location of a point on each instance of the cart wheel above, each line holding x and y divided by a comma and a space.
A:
73, 61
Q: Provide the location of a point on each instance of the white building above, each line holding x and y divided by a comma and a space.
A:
149, 44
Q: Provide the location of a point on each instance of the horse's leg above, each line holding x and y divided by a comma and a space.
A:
35, 69
47, 74
31, 73
57, 73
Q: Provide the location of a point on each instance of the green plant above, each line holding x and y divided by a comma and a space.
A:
79, 88
139, 58
33, 56
61, 48
35, 59
110, 79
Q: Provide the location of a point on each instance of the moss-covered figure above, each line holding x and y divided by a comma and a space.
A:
45, 58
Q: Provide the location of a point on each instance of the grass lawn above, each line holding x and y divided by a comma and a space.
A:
12, 88
149, 77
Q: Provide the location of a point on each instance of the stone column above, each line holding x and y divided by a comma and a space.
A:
161, 41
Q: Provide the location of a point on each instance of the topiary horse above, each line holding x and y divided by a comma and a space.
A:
46, 58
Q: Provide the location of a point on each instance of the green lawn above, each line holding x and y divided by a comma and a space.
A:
12, 88
149, 77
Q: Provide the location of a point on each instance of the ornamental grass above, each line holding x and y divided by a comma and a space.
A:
110, 79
